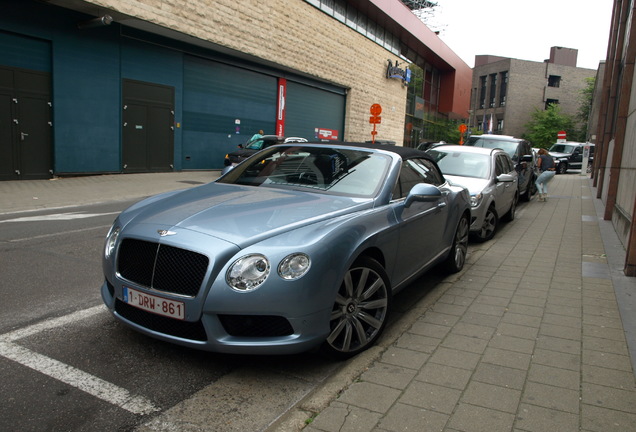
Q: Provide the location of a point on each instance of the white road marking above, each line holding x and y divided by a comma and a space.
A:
72, 376
37, 237
58, 217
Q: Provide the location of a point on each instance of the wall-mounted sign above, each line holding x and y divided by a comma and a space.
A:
280, 106
395, 71
326, 134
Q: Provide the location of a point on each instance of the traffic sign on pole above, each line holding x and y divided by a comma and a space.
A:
561, 136
375, 119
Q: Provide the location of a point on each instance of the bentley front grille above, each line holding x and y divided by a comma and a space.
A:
164, 268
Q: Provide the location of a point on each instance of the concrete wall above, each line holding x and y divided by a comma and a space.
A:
624, 205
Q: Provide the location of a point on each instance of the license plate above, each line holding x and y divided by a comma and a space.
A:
154, 304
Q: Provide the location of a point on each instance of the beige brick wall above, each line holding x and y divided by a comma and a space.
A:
296, 35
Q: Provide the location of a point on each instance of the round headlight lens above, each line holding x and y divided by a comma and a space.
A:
248, 273
475, 200
294, 266
111, 240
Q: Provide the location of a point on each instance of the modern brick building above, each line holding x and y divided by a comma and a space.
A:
506, 91
615, 156
101, 86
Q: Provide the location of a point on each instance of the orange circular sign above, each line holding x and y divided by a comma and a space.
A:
375, 110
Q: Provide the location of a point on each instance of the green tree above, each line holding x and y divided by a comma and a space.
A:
441, 129
585, 107
545, 124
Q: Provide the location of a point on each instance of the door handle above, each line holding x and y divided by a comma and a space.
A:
23, 135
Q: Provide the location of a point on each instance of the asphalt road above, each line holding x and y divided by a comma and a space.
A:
67, 365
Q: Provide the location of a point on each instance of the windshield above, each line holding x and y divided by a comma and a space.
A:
322, 169
509, 147
254, 145
562, 148
462, 164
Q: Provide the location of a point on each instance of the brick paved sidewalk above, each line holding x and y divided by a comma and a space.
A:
528, 338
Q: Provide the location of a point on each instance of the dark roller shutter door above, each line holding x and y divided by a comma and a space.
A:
308, 108
223, 106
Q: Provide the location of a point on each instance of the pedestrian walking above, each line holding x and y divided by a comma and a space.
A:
545, 163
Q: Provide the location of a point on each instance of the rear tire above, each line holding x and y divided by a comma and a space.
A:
510, 215
459, 250
530, 190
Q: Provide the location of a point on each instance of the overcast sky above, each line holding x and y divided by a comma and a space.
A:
525, 30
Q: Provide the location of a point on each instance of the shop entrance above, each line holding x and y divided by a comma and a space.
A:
148, 128
25, 124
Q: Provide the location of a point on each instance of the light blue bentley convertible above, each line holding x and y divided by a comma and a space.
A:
302, 245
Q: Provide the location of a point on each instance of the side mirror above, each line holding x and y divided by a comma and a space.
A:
422, 192
505, 178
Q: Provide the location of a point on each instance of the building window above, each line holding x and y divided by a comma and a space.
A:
503, 89
422, 104
482, 92
493, 89
554, 81
344, 12
549, 102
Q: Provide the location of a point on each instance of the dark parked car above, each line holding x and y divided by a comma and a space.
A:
253, 145
569, 155
521, 153
300, 245
491, 179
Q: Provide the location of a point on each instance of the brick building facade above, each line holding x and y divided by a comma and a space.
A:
149, 85
509, 89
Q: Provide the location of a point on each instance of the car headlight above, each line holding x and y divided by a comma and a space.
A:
111, 240
248, 273
475, 200
294, 266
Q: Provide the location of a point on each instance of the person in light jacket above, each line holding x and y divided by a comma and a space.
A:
545, 164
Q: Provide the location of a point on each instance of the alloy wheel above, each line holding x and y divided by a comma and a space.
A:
360, 309
457, 257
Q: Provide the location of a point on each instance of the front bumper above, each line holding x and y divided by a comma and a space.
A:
477, 216
225, 333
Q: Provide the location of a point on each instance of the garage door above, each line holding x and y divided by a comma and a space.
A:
223, 106
311, 108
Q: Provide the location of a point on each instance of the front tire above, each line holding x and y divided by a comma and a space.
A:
488, 227
562, 168
360, 310
459, 250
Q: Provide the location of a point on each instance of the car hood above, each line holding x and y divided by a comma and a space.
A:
240, 214
243, 153
474, 185
559, 155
